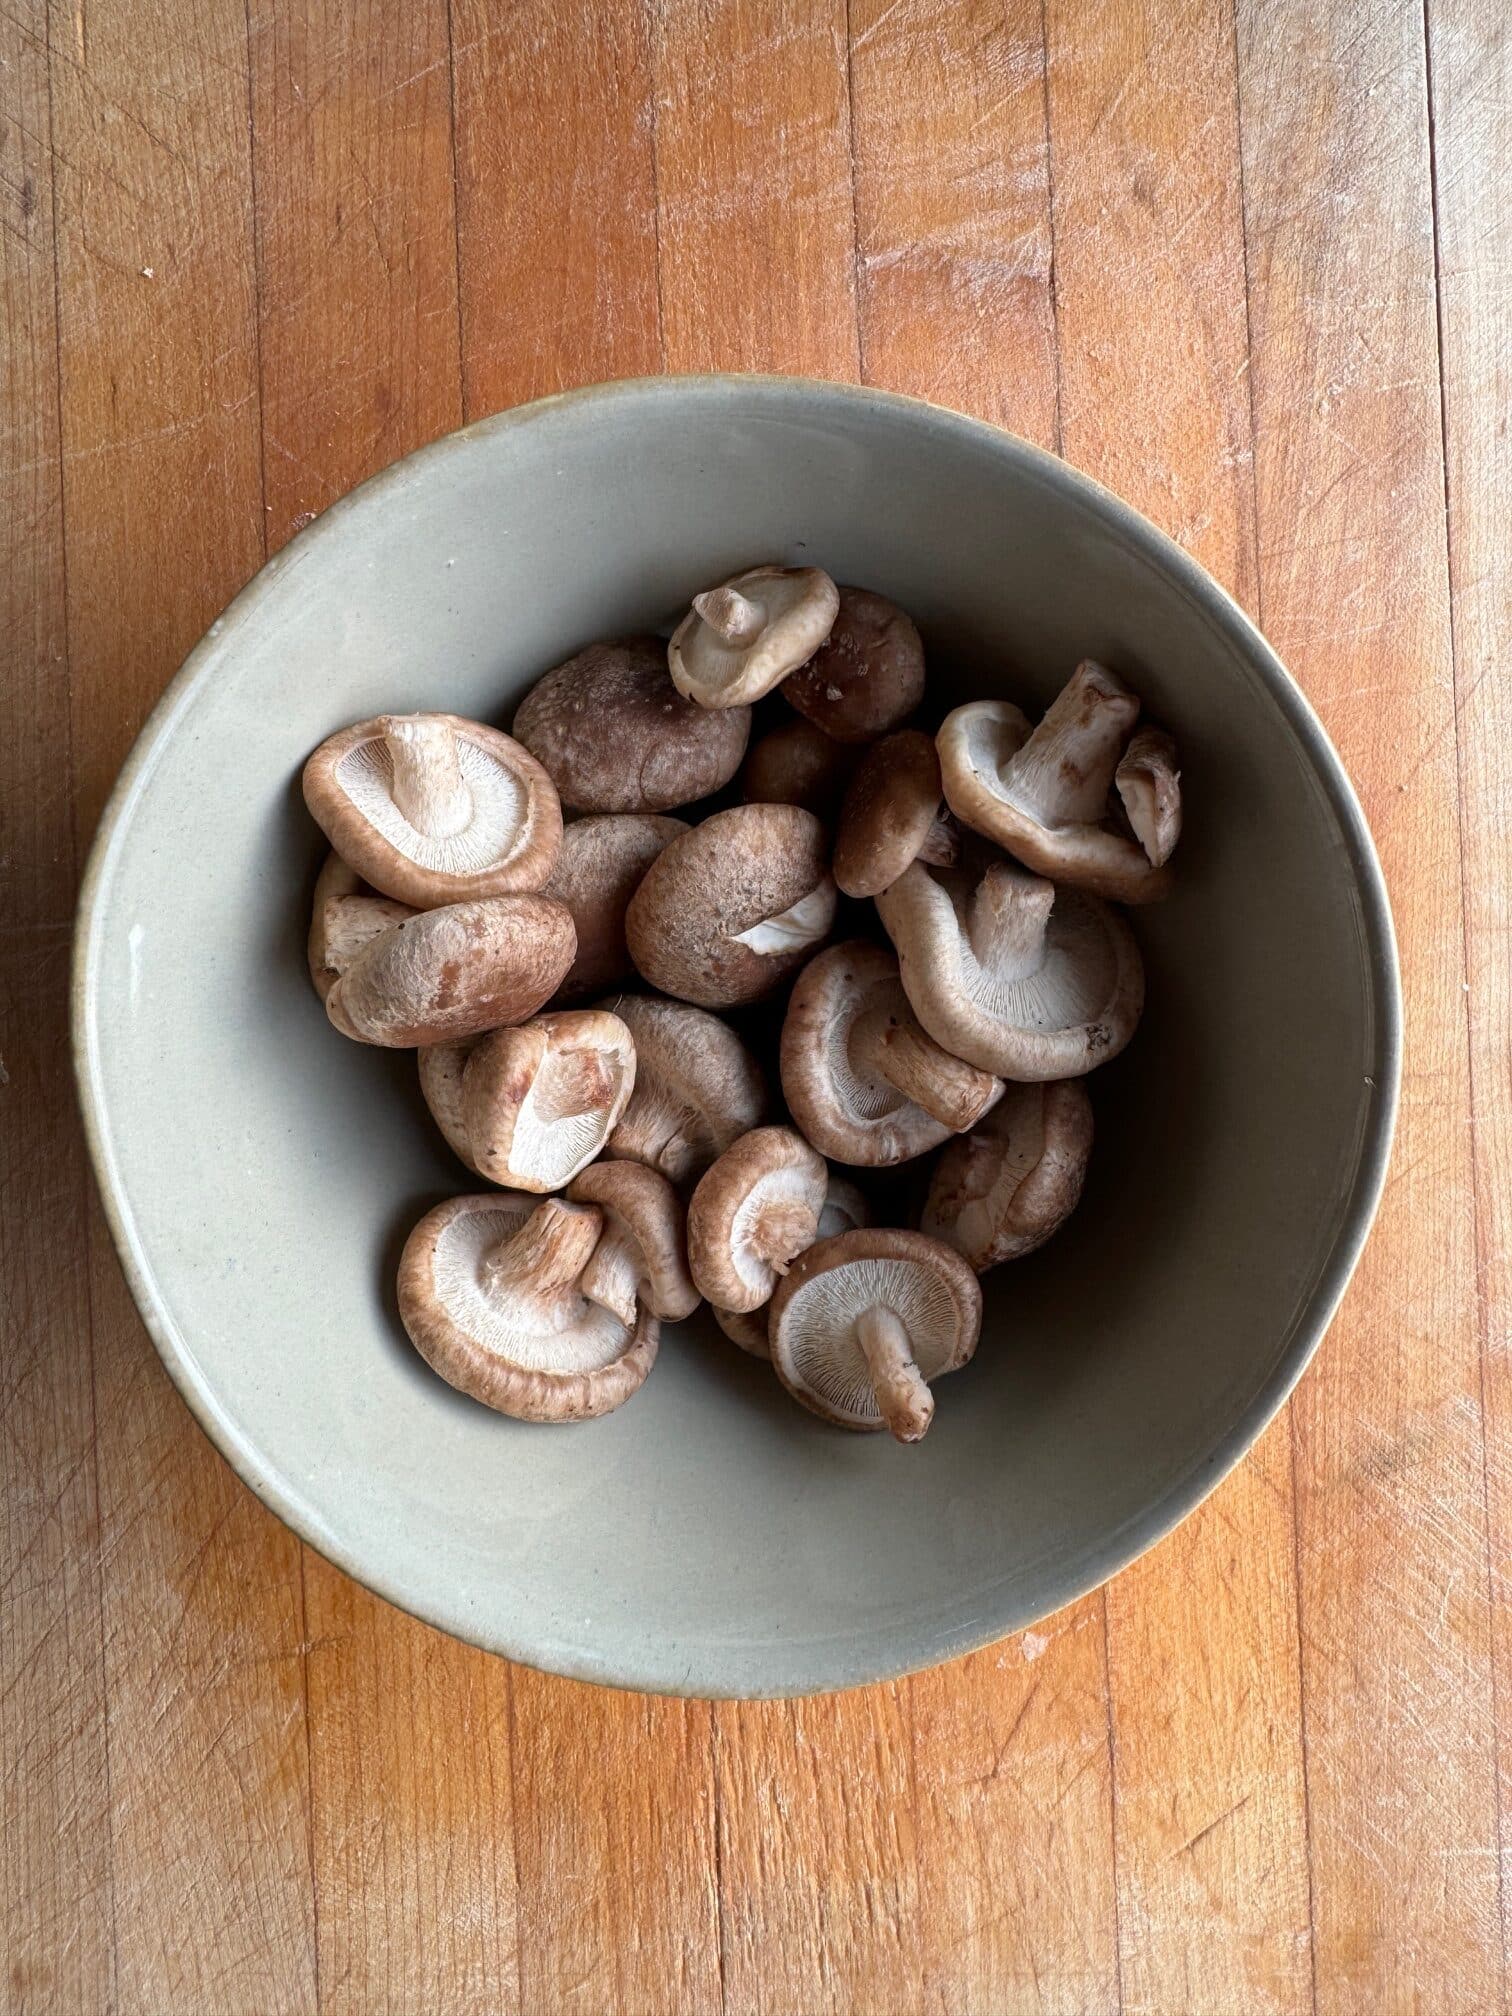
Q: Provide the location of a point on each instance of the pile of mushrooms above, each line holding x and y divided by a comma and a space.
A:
916, 922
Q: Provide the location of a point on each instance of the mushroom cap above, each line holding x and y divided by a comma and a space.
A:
455, 972
812, 1322
644, 1218
345, 915
597, 871
697, 1088
1044, 795
502, 840
745, 1327
1002, 1190
753, 1210
845, 1207
727, 912
891, 815
525, 1347
847, 1113
790, 612
442, 1069
868, 675
617, 736
1012, 973
539, 1101
797, 764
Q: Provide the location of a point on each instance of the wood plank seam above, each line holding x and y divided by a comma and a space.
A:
1059, 440
1480, 1207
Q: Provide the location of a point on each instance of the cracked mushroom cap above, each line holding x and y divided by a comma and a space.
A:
539, 1101
893, 815
454, 972
642, 1254
697, 1088
861, 1077
489, 1291
753, 1212
867, 676
744, 637
345, 916
433, 809
599, 869
865, 1322
1005, 1187
729, 911
844, 1210
1045, 795
617, 736
442, 1069
797, 764
1013, 974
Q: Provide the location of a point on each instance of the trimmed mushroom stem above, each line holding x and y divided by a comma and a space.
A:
1149, 783
1006, 921
428, 785
731, 615
1062, 774
782, 1230
350, 923
898, 1050
574, 1082
549, 1251
612, 1278
942, 844
903, 1397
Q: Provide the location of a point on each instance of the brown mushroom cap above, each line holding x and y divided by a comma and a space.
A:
1013, 974
744, 637
727, 912
862, 1079
1015, 1179
488, 1291
1148, 782
433, 809
752, 1213
642, 1251
455, 972
864, 1322
697, 1088
345, 916
745, 1327
539, 1101
617, 736
868, 676
1044, 796
892, 815
797, 764
443, 1067
601, 864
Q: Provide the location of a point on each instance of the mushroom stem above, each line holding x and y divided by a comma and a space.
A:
428, 785
349, 923
905, 1401
1149, 783
1062, 774
550, 1250
612, 1278
733, 616
574, 1082
1006, 920
895, 1048
782, 1230
942, 843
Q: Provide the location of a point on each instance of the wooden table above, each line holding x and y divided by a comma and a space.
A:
1253, 274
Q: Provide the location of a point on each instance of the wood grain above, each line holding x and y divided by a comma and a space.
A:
1210, 1822
55, 1869
1470, 46
1354, 592
1251, 272
208, 1774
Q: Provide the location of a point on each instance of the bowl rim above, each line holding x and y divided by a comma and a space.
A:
1123, 1544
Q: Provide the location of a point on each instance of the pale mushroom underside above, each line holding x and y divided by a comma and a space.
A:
551, 1140
500, 808
568, 1335
819, 1346
789, 1186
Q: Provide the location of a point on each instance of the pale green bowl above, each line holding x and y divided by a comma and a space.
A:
260, 1173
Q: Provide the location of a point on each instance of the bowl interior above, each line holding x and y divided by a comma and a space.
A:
712, 1538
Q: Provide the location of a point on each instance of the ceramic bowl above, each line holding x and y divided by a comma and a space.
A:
261, 1173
